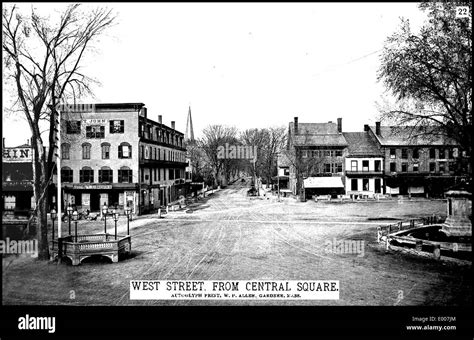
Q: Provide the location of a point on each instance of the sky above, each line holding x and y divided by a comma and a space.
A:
249, 65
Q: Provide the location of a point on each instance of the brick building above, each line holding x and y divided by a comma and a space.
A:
113, 154
317, 151
416, 164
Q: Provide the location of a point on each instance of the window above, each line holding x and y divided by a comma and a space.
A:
155, 176
353, 165
378, 165
393, 153
170, 173
125, 175
338, 153
404, 153
451, 154
416, 153
95, 131
147, 152
105, 150
404, 167
105, 175
378, 186
365, 165
432, 167
117, 126
354, 184
142, 152
73, 127
86, 175
159, 174
452, 166
86, 151
327, 153
66, 175
432, 153
365, 184
338, 167
393, 167
305, 154
124, 150
442, 153
142, 175
327, 167
442, 166
65, 151
416, 167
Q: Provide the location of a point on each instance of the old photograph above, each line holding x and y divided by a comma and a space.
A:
237, 154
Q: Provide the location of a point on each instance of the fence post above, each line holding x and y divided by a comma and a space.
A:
419, 245
378, 234
387, 244
437, 252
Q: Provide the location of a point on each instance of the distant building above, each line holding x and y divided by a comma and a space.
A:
363, 165
416, 163
317, 150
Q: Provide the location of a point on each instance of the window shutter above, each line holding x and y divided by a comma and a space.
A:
120, 151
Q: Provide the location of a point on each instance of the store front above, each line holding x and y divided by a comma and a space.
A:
93, 196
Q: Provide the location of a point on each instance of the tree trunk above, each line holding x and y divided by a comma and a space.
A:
41, 199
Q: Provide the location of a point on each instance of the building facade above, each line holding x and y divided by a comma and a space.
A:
363, 165
162, 163
100, 156
415, 164
114, 155
316, 151
17, 179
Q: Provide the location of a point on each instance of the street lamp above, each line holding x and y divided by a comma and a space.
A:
75, 216
53, 217
116, 217
104, 212
69, 214
128, 210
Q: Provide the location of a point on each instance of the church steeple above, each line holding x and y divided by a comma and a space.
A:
189, 127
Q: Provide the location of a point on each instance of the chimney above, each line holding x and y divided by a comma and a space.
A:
366, 127
160, 119
172, 125
377, 128
144, 111
296, 125
339, 125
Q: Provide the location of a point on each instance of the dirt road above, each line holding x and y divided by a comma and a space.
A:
231, 236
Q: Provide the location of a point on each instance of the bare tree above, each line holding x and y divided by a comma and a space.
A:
43, 59
216, 136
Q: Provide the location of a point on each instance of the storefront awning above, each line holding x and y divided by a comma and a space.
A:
323, 182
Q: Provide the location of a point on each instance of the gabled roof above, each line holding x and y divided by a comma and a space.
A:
361, 144
325, 134
409, 135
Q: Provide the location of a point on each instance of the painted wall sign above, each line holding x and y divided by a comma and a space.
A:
94, 121
11, 155
92, 186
